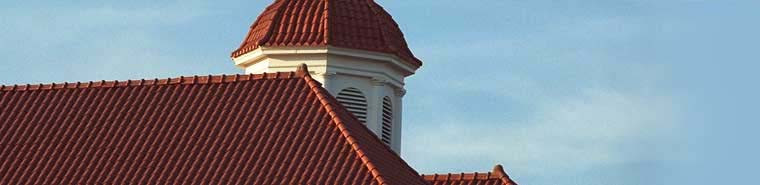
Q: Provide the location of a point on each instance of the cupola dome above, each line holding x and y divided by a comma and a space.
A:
351, 24
353, 47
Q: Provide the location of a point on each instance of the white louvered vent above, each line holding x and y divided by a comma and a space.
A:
387, 121
353, 99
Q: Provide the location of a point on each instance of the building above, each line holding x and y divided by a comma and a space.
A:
320, 104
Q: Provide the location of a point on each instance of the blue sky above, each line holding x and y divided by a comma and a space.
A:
592, 92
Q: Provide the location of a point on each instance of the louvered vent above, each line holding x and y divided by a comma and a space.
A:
355, 102
387, 121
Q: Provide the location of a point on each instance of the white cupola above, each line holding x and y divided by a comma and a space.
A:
354, 47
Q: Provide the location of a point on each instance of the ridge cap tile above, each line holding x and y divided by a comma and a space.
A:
493, 177
329, 103
182, 80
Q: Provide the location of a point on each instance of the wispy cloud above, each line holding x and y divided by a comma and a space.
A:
594, 129
107, 40
577, 96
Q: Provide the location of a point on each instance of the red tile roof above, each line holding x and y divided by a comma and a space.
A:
281, 128
354, 24
497, 177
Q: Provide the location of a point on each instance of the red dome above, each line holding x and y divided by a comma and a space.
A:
354, 24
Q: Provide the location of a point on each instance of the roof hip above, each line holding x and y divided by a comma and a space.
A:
341, 120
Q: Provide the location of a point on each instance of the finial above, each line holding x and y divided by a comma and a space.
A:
499, 170
302, 70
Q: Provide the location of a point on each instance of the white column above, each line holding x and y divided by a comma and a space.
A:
397, 115
375, 101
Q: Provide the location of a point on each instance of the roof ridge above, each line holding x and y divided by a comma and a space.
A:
277, 21
499, 170
316, 87
464, 176
244, 48
327, 12
380, 11
183, 80
498, 173
331, 105
383, 35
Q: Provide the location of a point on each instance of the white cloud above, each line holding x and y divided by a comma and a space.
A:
598, 127
110, 41
54, 24
582, 97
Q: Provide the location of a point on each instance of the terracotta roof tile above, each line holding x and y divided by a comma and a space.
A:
279, 128
354, 24
496, 177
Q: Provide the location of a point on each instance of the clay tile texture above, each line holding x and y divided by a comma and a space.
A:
496, 177
280, 128
353, 24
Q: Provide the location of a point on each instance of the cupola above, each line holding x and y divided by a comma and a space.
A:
354, 47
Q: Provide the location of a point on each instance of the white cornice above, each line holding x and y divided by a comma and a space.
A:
259, 54
398, 62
